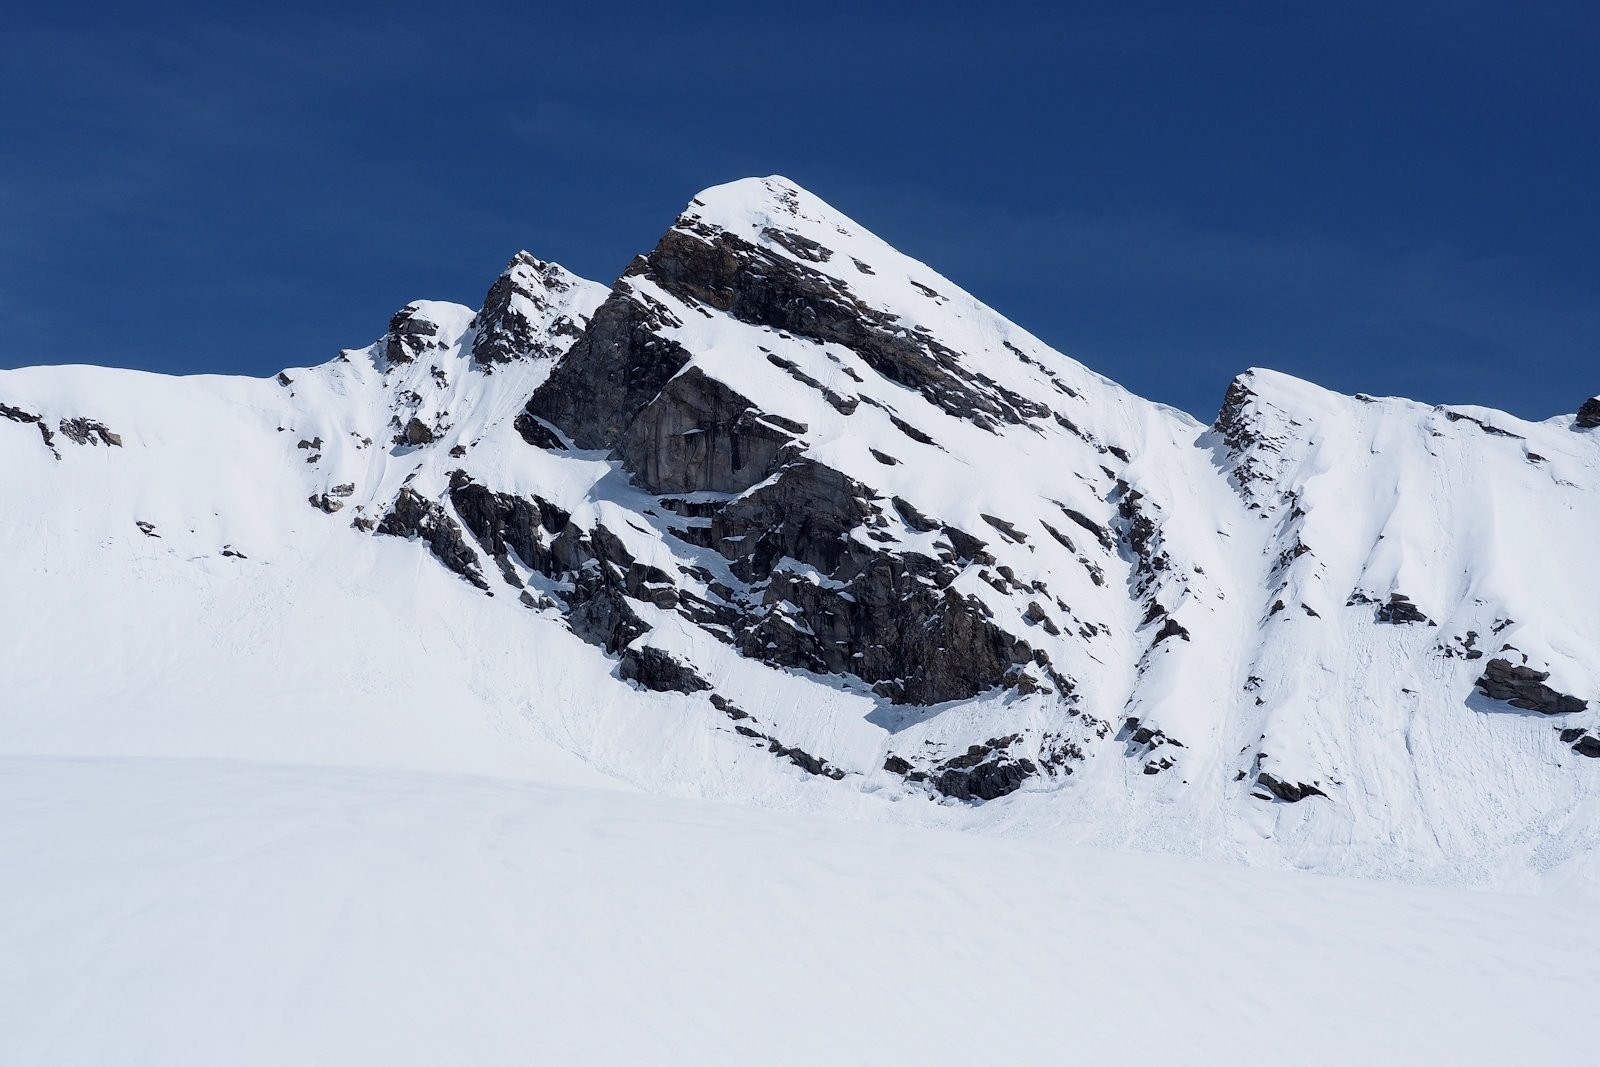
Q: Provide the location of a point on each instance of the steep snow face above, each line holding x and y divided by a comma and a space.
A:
785, 516
1420, 554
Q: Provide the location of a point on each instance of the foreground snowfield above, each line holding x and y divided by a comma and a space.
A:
204, 911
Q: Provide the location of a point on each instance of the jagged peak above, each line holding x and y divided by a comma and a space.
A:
531, 271
530, 304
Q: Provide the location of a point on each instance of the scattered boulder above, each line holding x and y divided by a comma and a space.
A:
325, 503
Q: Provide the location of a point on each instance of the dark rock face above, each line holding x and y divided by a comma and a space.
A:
415, 434
617, 367
536, 433
603, 576
660, 672
889, 618
983, 772
1589, 414
1588, 745
1524, 687
409, 336
709, 266
412, 515
17, 414
1237, 425
516, 321
1286, 791
698, 434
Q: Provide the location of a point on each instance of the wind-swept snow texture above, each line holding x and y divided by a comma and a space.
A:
785, 517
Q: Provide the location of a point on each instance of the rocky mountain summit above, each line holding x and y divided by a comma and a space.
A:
821, 521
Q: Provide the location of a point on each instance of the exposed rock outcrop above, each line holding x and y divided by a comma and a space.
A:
698, 434
409, 336
17, 414
983, 772
1589, 414
1285, 790
659, 671
89, 432
1524, 687
851, 607
413, 515
523, 314
1399, 611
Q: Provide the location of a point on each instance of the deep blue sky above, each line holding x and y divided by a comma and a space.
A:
1387, 198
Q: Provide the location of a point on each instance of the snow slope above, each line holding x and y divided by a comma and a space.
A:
176, 912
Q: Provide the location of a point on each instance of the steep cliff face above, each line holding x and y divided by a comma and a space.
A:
785, 515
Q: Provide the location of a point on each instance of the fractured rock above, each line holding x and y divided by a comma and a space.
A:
660, 672
1589, 414
1524, 687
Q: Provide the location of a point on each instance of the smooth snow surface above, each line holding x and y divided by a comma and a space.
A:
202, 912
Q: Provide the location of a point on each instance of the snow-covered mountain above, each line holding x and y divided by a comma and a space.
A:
785, 516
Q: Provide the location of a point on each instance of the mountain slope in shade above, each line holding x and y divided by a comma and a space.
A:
785, 516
